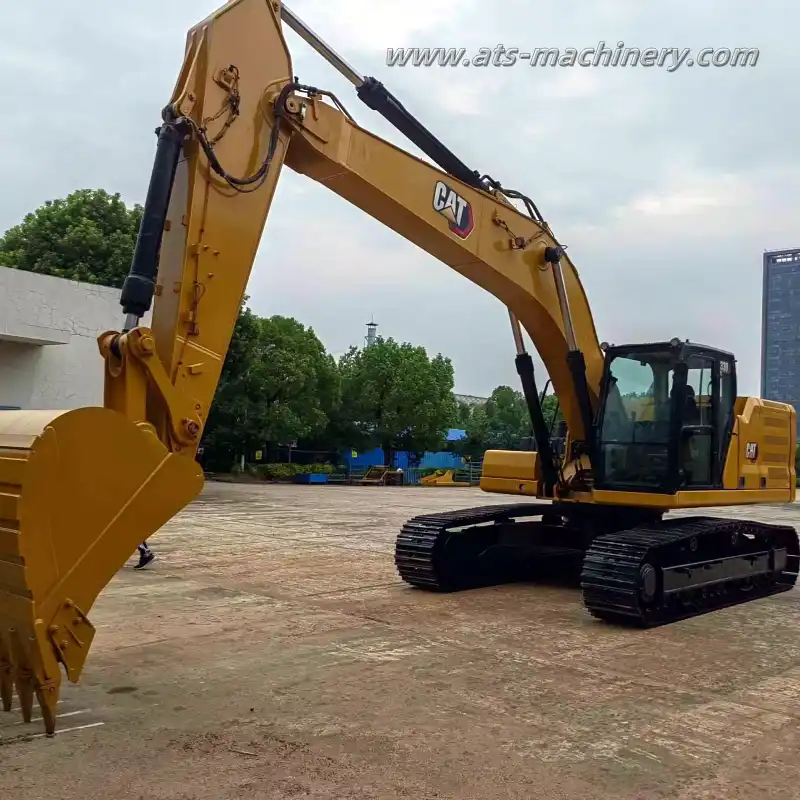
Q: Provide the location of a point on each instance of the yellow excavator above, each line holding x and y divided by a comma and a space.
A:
650, 427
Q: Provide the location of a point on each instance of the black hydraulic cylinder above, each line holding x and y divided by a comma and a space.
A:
577, 367
524, 364
374, 94
139, 286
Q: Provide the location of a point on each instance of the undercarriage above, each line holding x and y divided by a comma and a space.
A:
633, 566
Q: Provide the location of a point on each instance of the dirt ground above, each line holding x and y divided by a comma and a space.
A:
272, 652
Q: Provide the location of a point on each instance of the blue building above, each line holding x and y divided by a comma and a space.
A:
402, 460
780, 327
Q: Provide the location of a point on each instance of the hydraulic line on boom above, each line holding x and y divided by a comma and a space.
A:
649, 427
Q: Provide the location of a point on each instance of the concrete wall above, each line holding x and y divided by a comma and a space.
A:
48, 340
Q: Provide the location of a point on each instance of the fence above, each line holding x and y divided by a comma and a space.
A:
469, 472
402, 460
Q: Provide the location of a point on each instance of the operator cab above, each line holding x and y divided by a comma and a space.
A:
665, 417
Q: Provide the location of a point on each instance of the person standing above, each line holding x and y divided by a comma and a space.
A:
146, 556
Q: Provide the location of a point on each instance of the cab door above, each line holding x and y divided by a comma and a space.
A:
698, 453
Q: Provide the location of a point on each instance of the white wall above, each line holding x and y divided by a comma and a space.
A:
48, 340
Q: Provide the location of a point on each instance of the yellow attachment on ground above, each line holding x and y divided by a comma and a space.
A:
511, 472
442, 477
79, 490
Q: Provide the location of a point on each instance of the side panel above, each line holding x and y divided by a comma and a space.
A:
762, 451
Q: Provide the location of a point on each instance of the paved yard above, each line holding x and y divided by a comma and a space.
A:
272, 652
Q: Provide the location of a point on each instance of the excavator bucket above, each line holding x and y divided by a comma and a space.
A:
78, 491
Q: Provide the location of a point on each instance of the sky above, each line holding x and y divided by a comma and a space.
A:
666, 186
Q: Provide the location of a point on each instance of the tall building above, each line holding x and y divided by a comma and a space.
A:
780, 327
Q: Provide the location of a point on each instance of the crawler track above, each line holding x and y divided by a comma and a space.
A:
669, 571
647, 575
434, 552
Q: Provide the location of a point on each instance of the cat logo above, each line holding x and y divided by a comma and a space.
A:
751, 450
454, 208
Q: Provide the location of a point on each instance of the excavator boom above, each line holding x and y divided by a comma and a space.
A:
80, 489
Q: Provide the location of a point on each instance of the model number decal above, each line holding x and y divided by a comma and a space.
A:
454, 208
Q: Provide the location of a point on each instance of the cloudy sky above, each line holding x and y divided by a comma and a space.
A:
666, 186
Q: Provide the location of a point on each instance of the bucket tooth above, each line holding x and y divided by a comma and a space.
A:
48, 700
78, 491
25, 692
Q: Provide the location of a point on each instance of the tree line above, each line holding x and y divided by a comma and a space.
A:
279, 385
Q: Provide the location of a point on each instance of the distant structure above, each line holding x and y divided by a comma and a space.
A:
780, 327
470, 399
372, 332
48, 340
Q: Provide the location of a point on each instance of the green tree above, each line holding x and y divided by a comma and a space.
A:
552, 412
278, 384
463, 414
463, 420
503, 422
88, 236
476, 426
507, 419
395, 397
